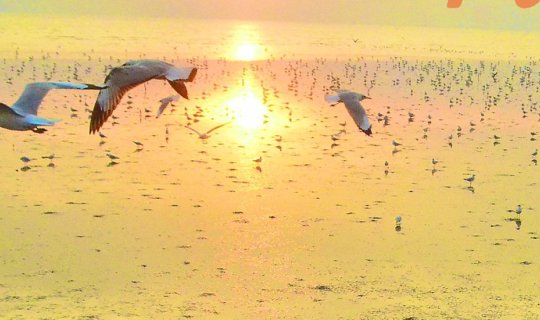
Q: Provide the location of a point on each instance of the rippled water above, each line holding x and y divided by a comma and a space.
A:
189, 228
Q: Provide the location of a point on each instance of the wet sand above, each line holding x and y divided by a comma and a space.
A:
183, 228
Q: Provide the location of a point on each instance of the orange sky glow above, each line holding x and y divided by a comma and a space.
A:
499, 14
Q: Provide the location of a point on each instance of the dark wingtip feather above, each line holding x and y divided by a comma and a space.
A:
90, 86
179, 87
97, 119
368, 131
192, 75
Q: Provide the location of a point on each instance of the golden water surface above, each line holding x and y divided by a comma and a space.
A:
287, 211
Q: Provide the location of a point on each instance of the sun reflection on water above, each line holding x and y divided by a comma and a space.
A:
247, 108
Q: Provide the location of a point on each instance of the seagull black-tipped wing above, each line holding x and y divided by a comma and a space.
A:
119, 81
356, 111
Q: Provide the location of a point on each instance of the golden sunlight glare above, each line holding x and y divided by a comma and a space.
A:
245, 44
247, 109
247, 52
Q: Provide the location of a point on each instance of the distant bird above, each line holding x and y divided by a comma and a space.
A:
398, 223
131, 74
470, 179
165, 102
23, 113
355, 109
112, 156
140, 145
206, 135
535, 153
519, 210
434, 161
395, 144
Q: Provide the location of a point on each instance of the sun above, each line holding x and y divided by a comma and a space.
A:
245, 43
247, 52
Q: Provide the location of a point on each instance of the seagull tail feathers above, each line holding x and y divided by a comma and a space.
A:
332, 99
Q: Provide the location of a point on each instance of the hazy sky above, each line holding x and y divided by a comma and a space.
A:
493, 14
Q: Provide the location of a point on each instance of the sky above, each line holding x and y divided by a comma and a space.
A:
488, 14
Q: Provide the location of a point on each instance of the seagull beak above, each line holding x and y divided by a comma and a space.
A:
367, 98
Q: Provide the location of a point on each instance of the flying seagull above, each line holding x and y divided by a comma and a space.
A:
355, 109
131, 74
206, 135
23, 113
165, 102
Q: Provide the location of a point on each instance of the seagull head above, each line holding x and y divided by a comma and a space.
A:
362, 97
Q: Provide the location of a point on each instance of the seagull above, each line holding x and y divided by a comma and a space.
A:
535, 153
395, 144
23, 113
139, 144
470, 179
398, 223
165, 102
112, 156
355, 109
519, 210
131, 74
206, 135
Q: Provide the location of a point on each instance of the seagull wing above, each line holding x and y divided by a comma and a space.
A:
33, 94
332, 99
217, 127
356, 111
194, 130
164, 103
119, 81
177, 76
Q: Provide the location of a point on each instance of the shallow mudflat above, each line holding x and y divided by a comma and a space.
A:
277, 214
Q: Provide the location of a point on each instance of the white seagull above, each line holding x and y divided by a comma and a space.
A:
23, 113
131, 74
206, 135
355, 109
165, 102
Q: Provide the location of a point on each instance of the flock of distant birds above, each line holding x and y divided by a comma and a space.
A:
22, 115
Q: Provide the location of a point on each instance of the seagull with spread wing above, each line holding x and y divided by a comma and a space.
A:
23, 113
206, 135
131, 74
165, 102
355, 109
